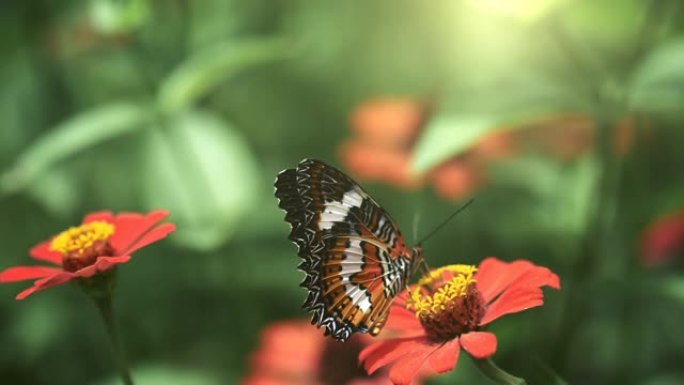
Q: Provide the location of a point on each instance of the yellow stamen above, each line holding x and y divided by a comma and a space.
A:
456, 286
76, 240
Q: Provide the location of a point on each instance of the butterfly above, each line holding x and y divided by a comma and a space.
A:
354, 256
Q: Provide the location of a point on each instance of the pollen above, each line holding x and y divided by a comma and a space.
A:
78, 240
447, 302
450, 281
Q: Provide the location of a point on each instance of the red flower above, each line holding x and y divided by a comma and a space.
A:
99, 244
663, 239
448, 309
295, 353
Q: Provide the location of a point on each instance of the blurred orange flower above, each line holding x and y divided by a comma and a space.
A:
99, 244
568, 137
447, 310
295, 353
385, 132
663, 239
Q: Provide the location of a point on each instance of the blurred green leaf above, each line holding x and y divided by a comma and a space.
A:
202, 170
666, 379
447, 136
557, 202
658, 83
494, 108
673, 287
77, 134
117, 16
20, 98
208, 68
163, 375
38, 327
59, 191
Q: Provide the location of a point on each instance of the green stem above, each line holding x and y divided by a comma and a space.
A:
106, 308
496, 374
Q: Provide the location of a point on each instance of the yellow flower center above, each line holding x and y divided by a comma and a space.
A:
447, 302
458, 279
77, 240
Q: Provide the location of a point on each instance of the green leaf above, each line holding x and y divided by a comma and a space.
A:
202, 170
673, 287
448, 136
210, 67
59, 191
466, 120
160, 374
71, 137
658, 83
118, 16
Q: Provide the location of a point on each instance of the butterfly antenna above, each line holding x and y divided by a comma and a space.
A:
425, 266
449, 218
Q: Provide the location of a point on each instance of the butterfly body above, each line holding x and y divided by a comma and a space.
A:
355, 259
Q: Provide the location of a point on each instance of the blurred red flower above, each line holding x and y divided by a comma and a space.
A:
568, 137
663, 239
296, 353
385, 132
447, 310
103, 241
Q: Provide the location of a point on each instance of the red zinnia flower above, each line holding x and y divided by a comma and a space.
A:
99, 244
663, 239
448, 309
295, 353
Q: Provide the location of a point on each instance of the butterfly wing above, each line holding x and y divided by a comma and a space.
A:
355, 258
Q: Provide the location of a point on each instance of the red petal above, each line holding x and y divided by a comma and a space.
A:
130, 228
495, 276
102, 264
479, 344
402, 319
99, 216
158, 233
46, 283
405, 370
267, 379
42, 252
382, 353
513, 301
22, 273
444, 359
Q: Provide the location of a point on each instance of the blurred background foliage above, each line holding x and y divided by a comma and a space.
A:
563, 118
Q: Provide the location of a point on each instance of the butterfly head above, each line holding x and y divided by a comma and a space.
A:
415, 259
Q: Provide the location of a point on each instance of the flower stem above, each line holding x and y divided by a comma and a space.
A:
106, 308
496, 374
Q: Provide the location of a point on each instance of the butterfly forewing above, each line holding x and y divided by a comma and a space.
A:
354, 256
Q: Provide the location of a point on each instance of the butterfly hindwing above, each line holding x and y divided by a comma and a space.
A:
354, 256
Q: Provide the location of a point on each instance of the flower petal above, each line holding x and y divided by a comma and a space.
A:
22, 273
402, 319
406, 369
495, 276
513, 301
158, 233
132, 227
382, 353
42, 252
99, 216
479, 344
46, 283
102, 264
444, 359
